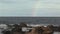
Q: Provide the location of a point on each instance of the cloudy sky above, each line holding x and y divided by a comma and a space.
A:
43, 8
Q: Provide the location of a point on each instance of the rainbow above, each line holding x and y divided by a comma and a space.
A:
35, 8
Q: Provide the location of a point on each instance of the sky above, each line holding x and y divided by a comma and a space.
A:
42, 8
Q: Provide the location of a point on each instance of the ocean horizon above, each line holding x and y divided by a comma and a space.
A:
30, 20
